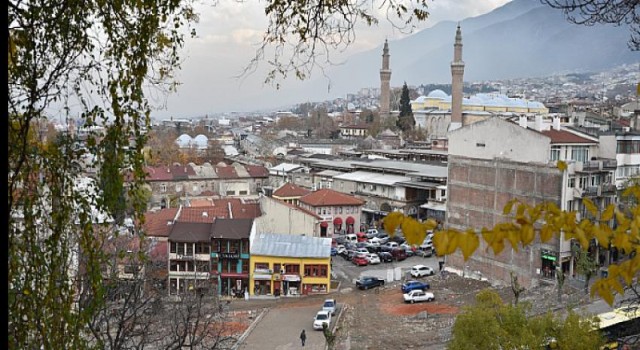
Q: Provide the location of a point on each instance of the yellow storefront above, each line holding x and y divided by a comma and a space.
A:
289, 265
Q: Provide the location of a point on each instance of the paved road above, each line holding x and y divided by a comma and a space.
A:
280, 329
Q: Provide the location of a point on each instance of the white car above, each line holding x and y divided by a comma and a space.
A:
421, 270
373, 259
341, 249
375, 241
372, 232
330, 306
391, 245
416, 296
322, 317
362, 250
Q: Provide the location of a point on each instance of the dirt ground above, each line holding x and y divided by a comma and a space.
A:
379, 318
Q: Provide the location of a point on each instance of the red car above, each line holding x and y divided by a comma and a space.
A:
360, 261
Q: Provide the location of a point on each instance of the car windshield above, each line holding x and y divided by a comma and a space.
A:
328, 303
321, 317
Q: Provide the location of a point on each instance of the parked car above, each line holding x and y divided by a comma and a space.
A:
351, 238
361, 236
424, 252
373, 259
372, 232
375, 241
391, 245
330, 306
362, 250
408, 249
421, 270
414, 285
384, 248
334, 251
416, 296
398, 239
360, 260
350, 255
367, 282
385, 257
341, 248
322, 317
398, 254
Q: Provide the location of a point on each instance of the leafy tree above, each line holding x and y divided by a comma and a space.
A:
405, 119
161, 147
492, 324
586, 265
588, 12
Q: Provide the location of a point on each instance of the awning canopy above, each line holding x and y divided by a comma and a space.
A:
337, 221
350, 220
324, 224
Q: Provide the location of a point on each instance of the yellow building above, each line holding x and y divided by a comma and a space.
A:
289, 265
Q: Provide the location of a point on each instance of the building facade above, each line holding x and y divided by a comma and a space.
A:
340, 213
289, 265
230, 255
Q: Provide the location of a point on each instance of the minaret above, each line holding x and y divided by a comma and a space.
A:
385, 77
457, 71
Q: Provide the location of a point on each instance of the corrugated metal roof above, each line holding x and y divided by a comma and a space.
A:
286, 167
373, 178
298, 246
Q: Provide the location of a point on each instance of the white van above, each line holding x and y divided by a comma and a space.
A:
351, 237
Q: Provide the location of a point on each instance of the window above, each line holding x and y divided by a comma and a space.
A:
245, 266
292, 269
261, 266
245, 246
189, 249
339, 210
202, 248
178, 188
173, 266
195, 189
216, 245
235, 246
173, 247
202, 266
555, 152
580, 153
276, 267
572, 182
231, 193
130, 269
163, 187
315, 270
173, 286
243, 193
180, 249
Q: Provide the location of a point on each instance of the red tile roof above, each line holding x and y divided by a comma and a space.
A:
155, 224
200, 202
159, 173
290, 190
226, 172
257, 171
563, 136
328, 197
306, 211
240, 209
203, 214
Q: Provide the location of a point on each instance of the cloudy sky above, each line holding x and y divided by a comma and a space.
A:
228, 34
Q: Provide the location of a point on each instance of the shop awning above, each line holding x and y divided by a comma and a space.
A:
337, 221
262, 277
324, 224
350, 220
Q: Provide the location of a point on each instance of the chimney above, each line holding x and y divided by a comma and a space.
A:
538, 123
523, 121
556, 123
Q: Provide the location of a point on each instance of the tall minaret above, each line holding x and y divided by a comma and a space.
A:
385, 77
457, 71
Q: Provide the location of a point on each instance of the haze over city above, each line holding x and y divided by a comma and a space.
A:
228, 34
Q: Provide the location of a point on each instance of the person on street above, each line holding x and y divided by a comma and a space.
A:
303, 337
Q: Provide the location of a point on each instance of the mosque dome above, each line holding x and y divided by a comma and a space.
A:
437, 94
201, 142
184, 141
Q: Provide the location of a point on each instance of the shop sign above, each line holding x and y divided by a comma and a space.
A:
548, 255
230, 255
291, 278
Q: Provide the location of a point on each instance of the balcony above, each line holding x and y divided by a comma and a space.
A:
598, 191
598, 165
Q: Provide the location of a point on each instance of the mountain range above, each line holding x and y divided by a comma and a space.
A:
520, 39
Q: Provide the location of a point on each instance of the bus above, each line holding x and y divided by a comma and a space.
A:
620, 327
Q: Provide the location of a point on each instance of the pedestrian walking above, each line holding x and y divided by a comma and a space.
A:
303, 337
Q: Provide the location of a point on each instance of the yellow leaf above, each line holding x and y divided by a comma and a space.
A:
468, 243
590, 206
514, 239
602, 234
497, 246
430, 225
443, 242
527, 235
621, 241
562, 165
546, 232
509, 206
582, 238
601, 289
615, 284
608, 213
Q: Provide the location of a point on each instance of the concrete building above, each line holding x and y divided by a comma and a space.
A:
189, 259
285, 218
340, 212
289, 265
494, 161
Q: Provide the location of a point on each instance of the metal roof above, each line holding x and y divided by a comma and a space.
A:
374, 178
297, 246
